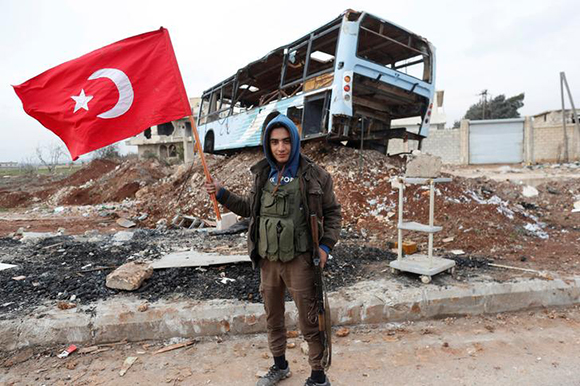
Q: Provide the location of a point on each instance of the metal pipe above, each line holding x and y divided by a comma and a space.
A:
431, 220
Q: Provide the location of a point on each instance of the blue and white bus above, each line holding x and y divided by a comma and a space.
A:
345, 81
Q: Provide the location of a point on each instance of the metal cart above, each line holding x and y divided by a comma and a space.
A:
424, 265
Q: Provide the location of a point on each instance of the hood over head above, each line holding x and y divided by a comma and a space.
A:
291, 167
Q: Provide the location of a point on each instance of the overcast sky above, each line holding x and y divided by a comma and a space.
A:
506, 47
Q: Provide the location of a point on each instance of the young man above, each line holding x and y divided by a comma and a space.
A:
287, 188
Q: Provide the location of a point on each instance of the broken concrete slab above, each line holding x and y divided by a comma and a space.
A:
125, 223
122, 236
424, 166
4, 266
228, 219
196, 259
129, 277
36, 236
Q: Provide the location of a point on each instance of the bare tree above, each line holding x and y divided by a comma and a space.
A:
27, 166
108, 152
50, 155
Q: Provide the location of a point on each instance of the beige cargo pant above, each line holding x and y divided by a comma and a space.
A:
298, 276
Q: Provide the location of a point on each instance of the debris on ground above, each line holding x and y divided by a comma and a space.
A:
127, 365
173, 214
66, 352
129, 277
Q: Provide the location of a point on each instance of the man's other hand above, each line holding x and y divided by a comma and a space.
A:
323, 257
213, 187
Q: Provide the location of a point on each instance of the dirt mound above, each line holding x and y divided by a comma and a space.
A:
116, 182
94, 170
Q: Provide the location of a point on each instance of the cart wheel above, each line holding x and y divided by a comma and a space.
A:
426, 279
394, 271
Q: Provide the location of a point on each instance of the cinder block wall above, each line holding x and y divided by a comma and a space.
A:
441, 143
548, 144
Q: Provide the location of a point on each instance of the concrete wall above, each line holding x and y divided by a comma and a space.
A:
548, 143
441, 143
541, 143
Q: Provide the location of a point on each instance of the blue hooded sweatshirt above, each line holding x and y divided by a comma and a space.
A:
291, 167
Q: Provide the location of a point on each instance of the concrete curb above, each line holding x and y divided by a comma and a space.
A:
365, 303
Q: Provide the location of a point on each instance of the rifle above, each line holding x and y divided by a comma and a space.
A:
324, 321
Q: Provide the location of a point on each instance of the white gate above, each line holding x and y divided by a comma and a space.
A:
496, 141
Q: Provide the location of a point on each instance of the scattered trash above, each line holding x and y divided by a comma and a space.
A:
19, 278
458, 252
342, 332
65, 305
88, 350
304, 347
175, 346
6, 266
448, 239
530, 191
291, 345
69, 350
127, 365
143, 307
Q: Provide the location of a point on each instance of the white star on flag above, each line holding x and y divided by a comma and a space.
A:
82, 101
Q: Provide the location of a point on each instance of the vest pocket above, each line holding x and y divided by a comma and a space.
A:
286, 239
277, 204
262, 237
303, 241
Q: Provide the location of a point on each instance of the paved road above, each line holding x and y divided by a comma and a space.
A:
528, 348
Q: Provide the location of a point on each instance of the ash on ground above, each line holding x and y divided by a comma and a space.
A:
73, 269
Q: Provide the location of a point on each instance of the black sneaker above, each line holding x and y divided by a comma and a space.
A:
310, 382
274, 375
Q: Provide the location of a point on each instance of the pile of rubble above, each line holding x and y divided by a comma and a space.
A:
523, 226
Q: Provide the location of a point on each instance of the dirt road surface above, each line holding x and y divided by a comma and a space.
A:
539, 347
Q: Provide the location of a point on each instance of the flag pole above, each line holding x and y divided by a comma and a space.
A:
205, 169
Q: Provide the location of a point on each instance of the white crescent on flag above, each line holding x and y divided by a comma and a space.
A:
124, 86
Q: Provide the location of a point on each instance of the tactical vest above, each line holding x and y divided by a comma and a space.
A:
282, 229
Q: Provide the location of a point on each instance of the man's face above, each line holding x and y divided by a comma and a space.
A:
280, 145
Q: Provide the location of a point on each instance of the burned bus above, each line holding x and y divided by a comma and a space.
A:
345, 81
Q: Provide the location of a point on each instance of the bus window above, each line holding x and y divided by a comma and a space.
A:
392, 47
295, 114
314, 114
323, 51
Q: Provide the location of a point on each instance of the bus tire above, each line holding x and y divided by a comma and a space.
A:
209, 143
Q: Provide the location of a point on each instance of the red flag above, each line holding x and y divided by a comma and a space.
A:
110, 94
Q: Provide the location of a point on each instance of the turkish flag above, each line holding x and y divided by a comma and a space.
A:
110, 94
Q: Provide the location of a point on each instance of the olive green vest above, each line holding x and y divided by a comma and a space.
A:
282, 231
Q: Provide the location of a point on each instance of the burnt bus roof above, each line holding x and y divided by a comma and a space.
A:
264, 73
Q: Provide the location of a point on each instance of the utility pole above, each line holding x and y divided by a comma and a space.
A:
564, 83
483, 96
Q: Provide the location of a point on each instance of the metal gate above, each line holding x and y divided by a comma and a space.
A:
496, 141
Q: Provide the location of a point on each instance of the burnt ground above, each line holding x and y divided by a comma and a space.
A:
58, 268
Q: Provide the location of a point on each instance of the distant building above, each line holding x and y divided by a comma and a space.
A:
438, 117
9, 165
168, 140
554, 118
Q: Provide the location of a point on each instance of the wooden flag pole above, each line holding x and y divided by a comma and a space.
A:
205, 169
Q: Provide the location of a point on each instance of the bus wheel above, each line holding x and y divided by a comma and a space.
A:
209, 142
